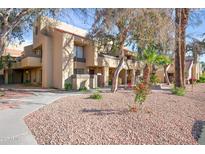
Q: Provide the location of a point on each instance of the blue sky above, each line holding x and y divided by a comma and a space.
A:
86, 23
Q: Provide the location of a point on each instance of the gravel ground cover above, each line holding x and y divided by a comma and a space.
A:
165, 119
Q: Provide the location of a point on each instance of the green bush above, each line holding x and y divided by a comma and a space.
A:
96, 95
178, 91
201, 79
154, 79
82, 89
110, 82
141, 92
68, 86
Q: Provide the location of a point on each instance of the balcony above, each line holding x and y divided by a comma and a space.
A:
27, 62
132, 63
106, 60
111, 61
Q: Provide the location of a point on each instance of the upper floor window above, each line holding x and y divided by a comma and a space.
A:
79, 52
38, 52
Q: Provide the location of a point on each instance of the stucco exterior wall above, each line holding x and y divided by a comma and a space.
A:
47, 62
160, 74
105, 75
57, 59
36, 75
196, 71
81, 80
91, 54
67, 58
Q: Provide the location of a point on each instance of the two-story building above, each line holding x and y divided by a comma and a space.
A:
62, 53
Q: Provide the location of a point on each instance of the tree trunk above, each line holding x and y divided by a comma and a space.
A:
183, 48
116, 75
166, 73
2, 45
4, 34
181, 22
122, 60
178, 75
146, 74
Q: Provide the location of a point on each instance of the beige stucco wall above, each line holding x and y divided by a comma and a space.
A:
108, 61
133, 77
57, 59
47, 62
37, 39
81, 80
36, 75
105, 75
196, 70
160, 74
67, 58
91, 54
28, 50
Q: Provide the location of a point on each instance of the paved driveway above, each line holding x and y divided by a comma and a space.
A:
13, 130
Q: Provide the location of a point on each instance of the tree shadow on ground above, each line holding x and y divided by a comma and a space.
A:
197, 129
101, 112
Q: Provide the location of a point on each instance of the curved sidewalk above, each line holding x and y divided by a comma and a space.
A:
13, 130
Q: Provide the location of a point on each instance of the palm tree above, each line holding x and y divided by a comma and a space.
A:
181, 20
150, 57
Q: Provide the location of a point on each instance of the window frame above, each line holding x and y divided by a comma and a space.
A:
76, 51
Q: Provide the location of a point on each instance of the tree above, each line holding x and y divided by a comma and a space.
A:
153, 31
112, 28
14, 22
197, 47
150, 57
181, 20
153, 26
138, 28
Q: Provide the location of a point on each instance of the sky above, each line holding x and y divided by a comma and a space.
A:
193, 29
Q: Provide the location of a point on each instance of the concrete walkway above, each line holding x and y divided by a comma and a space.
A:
13, 130
202, 136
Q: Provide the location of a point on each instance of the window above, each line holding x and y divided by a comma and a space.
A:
38, 52
78, 52
78, 71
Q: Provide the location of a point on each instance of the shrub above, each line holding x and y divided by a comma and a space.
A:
154, 79
96, 95
178, 91
110, 82
201, 79
82, 89
68, 86
141, 92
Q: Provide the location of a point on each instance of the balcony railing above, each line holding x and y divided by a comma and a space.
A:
82, 60
112, 61
27, 62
